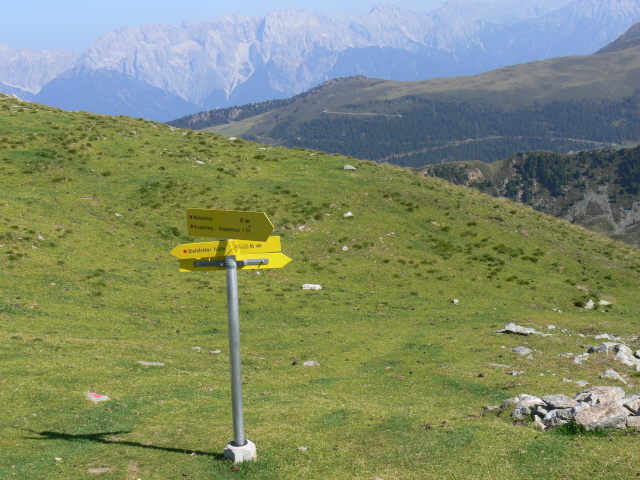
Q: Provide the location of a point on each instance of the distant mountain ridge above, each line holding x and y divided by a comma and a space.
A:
236, 60
562, 104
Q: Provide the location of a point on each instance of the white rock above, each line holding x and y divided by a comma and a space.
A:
521, 350
613, 375
311, 363
349, 167
311, 286
604, 303
590, 304
302, 449
151, 364
345, 249
455, 301
96, 397
603, 336
348, 215
551, 327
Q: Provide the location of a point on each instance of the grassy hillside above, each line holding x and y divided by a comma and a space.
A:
90, 207
561, 104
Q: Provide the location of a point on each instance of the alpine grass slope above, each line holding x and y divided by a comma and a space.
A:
90, 207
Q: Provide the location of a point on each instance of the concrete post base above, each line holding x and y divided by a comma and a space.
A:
245, 453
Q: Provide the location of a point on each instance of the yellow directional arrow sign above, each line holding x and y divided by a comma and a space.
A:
225, 247
271, 260
229, 224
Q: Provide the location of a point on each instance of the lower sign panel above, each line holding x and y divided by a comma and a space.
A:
275, 260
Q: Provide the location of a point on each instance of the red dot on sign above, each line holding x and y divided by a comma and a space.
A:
191, 217
191, 226
185, 251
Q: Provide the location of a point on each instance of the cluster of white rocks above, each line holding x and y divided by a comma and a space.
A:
593, 408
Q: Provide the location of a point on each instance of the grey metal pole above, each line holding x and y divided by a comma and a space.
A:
234, 350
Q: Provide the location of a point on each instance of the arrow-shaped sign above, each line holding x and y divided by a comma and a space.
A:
273, 260
226, 247
229, 224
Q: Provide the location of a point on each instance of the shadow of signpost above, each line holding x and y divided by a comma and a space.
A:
100, 438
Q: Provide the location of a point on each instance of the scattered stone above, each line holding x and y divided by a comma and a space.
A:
455, 301
100, 470
199, 162
231, 138
302, 449
311, 286
603, 336
498, 365
349, 167
96, 397
515, 373
345, 249
596, 395
558, 417
613, 375
593, 408
559, 401
580, 359
602, 415
197, 349
518, 330
551, 327
633, 421
151, 364
311, 363
590, 304
491, 409
622, 352
348, 215
522, 350
604, 303
537, 422
215, 352
632, 403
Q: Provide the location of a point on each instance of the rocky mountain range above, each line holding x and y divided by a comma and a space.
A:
164, 72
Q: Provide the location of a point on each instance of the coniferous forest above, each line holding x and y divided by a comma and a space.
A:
435, 131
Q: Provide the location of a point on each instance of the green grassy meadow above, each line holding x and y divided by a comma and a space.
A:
90, 207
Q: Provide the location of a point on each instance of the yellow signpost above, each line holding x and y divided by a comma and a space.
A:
244, 262
229, 224
248, 247
225, 247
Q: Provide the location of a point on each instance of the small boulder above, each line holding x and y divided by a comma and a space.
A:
613, 375
559, 416
595, 395
522, 350
603, 415
631, 403
349, 167
311, 286
559, 401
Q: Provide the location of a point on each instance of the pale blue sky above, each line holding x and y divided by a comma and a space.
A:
77, 24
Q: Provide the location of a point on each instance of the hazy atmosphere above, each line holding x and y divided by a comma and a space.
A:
75, 25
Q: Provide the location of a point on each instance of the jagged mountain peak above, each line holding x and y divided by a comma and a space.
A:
236, 59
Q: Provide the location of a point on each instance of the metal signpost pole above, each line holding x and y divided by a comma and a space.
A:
234, 350
240, 449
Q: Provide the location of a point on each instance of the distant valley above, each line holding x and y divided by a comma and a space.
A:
562, 104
